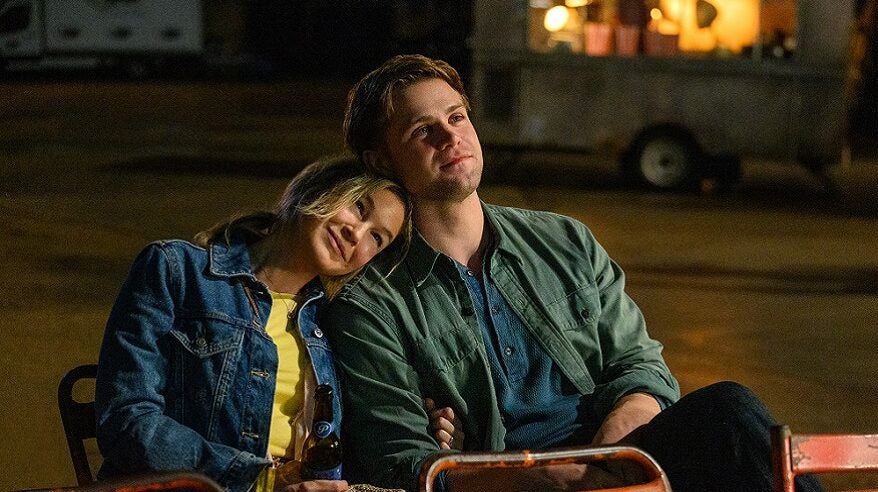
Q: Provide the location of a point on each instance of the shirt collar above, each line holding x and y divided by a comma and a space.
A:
422, 257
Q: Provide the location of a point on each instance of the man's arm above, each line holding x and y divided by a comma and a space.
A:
386, 430
629, 413
632, 361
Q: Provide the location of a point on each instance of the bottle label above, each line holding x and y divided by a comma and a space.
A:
330, 474
322, 429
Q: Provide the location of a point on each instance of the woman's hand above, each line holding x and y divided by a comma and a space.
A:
447, 428
316, 486
288, 478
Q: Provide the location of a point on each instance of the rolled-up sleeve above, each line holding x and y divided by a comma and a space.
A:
632, 361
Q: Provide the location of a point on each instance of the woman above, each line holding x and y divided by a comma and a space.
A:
212, 350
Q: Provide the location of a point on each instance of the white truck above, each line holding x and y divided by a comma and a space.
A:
134, 36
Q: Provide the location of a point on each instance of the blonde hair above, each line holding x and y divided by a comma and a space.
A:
320, 190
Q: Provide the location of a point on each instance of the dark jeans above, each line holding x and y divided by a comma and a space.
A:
715, 439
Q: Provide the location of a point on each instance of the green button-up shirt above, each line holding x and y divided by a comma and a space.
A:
413, 334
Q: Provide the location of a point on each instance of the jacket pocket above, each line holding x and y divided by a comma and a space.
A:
575, 310
208, 334
204, 366
444, 350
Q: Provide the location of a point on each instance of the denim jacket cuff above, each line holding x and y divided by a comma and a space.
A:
243, 472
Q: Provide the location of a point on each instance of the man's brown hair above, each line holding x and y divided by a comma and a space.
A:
370, 101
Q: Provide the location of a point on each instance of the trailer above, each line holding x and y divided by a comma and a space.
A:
137, 37
675, 90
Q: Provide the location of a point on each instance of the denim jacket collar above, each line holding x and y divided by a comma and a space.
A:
231, 259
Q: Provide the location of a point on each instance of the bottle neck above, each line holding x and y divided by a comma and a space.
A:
323, 404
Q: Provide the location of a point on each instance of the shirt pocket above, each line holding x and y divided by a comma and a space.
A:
575, 310
208, 334
443, 350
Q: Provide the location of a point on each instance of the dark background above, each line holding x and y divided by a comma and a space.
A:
344, 40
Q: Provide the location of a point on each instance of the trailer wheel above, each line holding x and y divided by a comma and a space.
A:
664, 161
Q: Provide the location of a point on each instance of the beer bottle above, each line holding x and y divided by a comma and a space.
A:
321, 453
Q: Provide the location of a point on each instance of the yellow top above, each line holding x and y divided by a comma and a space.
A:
289, 391
290, 385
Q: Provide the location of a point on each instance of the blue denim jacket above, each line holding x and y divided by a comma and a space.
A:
186, 374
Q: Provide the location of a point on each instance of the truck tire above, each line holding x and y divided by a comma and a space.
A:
664, 161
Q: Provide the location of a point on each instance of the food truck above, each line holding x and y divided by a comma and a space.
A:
676, 90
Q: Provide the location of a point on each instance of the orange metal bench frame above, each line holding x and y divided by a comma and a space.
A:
797, 454
658, 481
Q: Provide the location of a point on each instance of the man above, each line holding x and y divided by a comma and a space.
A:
516, 319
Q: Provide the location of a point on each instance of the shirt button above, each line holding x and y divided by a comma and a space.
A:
200, 342
584, 313
507, 351
318, 333
470, 273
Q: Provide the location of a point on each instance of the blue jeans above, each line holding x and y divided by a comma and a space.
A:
715, 439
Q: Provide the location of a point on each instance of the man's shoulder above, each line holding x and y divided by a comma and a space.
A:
515, 221
378, 283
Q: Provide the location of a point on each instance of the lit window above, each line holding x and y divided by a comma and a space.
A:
721, 28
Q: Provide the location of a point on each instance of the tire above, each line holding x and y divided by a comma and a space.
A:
664, 161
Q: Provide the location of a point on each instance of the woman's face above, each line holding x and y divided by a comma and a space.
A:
349, 239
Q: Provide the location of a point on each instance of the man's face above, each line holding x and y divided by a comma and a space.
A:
431, 143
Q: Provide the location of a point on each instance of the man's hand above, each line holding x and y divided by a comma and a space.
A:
630, 412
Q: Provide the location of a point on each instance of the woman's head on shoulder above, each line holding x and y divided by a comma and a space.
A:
348, 214
334, 216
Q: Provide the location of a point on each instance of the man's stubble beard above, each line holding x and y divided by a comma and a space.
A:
453, 190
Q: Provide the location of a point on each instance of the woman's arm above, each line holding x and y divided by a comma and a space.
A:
446, 427
134, 434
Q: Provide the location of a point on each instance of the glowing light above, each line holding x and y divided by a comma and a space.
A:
556, 18
737, 24
659, 23
576, 3
672, 9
